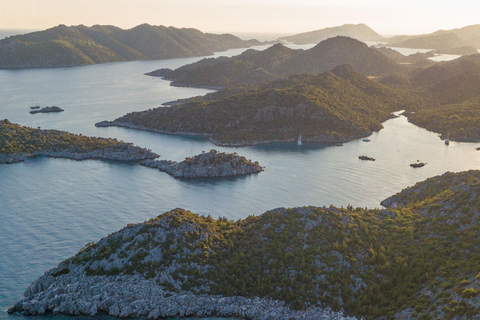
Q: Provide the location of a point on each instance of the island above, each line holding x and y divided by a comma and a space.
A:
46, 109
415, 259
278, 62
206, 165
63, 46
17, 143
332, 107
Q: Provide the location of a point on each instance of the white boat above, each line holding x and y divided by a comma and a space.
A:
299, 142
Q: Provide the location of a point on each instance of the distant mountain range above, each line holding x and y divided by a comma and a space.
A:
80, 45
356, 31
462, 41
279, 61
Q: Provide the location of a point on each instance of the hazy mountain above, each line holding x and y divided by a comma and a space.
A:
437, 41
448, 41
81, 45
279, 61
356, 31
338, 105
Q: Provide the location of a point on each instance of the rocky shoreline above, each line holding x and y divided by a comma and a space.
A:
316, 139
206, 165
134, 296
127, 152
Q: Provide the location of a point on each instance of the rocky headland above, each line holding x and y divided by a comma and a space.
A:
206, 165
18, 143
418, 260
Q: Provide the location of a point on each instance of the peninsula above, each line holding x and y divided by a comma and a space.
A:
417, 259
64, 46
17, 143
206, 165
334, 106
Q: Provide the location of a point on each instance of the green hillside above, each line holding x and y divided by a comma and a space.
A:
418, 261
334, 106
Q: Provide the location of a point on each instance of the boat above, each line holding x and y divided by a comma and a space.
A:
366, 140
339, 144
299, 142
366, 158
447, 141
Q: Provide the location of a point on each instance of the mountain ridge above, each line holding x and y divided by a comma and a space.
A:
63, 46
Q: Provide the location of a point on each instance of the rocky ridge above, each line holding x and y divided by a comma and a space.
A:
418, 261
125, 152
17, 143
206, 165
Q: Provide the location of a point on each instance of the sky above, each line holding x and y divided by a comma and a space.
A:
387, 17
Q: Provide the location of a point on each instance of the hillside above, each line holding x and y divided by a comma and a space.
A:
357, 31
18, 143
80, 45
334, 106
279, 61
453, 92
417, 261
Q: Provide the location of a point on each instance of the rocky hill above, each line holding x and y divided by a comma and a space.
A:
18, 143
206, 165
453, 90
279, 61
417, 261
335, 106
357, 31
80, 45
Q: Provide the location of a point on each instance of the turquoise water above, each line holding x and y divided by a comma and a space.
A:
49, 208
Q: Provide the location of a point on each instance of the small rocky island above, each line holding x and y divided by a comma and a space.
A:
46, 110
207, 165
416, 259
17, 143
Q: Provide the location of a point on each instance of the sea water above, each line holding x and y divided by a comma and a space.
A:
50, 208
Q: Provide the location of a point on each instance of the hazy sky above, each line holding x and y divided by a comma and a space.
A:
276, 16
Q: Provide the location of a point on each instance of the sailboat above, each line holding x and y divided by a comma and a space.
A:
299, 142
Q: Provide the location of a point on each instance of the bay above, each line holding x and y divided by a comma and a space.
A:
50, 208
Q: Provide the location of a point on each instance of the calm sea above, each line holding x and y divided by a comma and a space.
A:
50, 208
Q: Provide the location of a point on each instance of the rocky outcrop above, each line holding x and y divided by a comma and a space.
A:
47, 110
134, 296
206, 165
